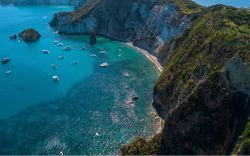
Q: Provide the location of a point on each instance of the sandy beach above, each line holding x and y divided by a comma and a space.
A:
151, 57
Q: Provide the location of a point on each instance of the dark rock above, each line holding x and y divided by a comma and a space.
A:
5, 60
13, 37
29, 35
135, 98
92, 40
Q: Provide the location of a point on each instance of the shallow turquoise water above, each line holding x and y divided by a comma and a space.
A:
235, 3
87, 111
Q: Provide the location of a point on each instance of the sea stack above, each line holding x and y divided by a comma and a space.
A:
92, 40
29, 35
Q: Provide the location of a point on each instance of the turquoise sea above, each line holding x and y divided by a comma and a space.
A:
88, 111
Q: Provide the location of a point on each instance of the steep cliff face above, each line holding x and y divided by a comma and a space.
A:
37, 2
203, 92
148, 24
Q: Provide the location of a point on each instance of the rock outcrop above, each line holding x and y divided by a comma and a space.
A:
92, 39
147, 24
29, 35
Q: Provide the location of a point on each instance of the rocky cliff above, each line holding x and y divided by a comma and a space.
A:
147, 24
203, 92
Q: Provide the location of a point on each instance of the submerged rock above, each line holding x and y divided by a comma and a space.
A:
13, 37
29, 35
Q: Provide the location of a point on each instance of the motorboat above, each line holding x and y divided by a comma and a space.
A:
8, 72
93, 55
105, 64
46, 51
56, 78
67, 48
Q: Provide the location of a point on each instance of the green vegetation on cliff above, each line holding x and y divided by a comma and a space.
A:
243, 145
187, 6
142, 147
203, 104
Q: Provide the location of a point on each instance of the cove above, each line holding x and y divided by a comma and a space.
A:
89, 110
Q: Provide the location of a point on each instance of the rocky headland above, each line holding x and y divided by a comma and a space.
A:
203, 91
147, 24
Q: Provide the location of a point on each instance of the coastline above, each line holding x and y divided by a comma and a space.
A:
159, 67
151, 57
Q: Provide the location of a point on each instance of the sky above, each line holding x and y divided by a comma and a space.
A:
235, 3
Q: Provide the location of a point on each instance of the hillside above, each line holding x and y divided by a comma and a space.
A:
204, 89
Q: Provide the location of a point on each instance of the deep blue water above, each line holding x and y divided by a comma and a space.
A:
87, 111
235, 3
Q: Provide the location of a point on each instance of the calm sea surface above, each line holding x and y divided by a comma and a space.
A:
89, 110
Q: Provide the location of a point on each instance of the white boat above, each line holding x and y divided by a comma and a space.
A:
46, 51
93, 55
67, 48
103, 52
56, 41
126, 74
56, 78
53, 66
105, 64
8, 72
60, 44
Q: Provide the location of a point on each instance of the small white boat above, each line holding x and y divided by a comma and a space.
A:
46, 51
56, 32
56, 41
67, 48
61, 57
126, 74
105, 64
97, 134
102, 52
8, 72
93, 55
56, 78
53, 66
60, 44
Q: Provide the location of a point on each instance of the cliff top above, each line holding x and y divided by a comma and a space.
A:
187, 7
